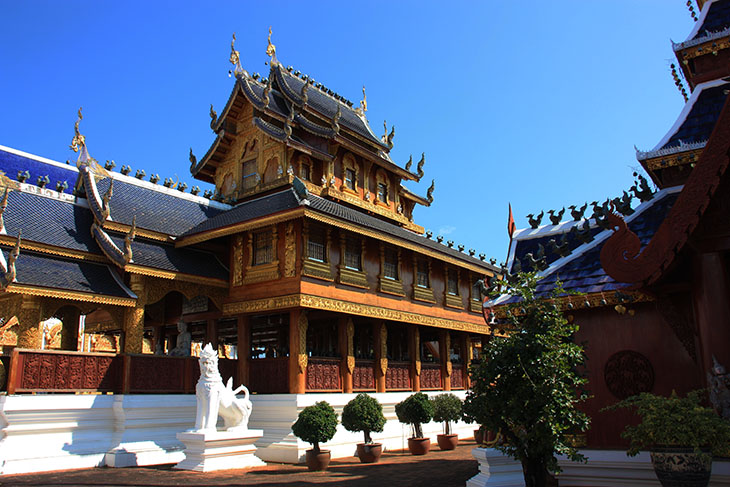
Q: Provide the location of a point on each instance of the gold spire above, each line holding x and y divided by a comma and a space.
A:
363, 104
271, 49
79, 141
235, 57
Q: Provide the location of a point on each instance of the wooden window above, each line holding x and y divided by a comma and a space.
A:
397, 346
363, 344
353, 253
430, 351
305, 172
350, 178
322, 339
249, 174
383, 193
263, 249
422, 279
452, 285
316, 244
390, 264
269, 336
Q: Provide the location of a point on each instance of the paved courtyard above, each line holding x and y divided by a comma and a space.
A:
442, 468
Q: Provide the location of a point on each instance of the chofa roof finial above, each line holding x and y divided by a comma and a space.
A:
271, 49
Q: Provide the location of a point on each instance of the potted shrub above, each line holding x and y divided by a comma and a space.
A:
680, 435
446, 408
415, 410
316, 424
364, 413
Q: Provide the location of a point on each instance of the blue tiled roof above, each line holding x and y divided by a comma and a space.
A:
50, 272
50, 221
701, 119
11, 163
527, 246
585, 274
166, 257
155, 210
716, 20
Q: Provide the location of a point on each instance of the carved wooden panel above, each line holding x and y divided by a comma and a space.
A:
323, 375
269, 376
362, 375
156, 374
457, 377
628, 373
430, 376
398, 376
58, 372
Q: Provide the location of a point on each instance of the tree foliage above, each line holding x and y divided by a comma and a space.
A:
528, 386
674, 421
316, 424
446, 408
415, 410
363, 413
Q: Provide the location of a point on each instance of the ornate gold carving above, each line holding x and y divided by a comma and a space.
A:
133, 329
260, 273
259, 305
672, 160
447, 358
709, 47
290, 251
235, 57
79, 141
270, 48
353, 277
383, 348
302, 326
238, 260
417, 350
418, 367
319, 270
384, 365
29, 318
350, 328
70, 295
449, 368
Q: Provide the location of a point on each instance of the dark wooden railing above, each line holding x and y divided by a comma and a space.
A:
430, 376
65, 371
398, 376
323, 374
269, 375
363, 376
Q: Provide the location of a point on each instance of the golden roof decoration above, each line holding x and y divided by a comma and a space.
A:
363, 104
270, 48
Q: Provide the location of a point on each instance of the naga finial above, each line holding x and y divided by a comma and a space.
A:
303, 94
79, 141
336, 120
429, 192
105, 208
271, 49
363, 103
389, 137
3, 205
193, 160
213, 116
9, 274
288, 123
420, 165
128, 241
409, 163
267, 89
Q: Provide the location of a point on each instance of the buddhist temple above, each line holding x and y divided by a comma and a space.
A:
651, 264
303, 264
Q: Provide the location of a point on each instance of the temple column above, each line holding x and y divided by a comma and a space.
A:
346, 337
446, 366
70, 328
243, 345
414, 346
134, 317
29, 318
710, 293
211, 333
298, 324
380, 334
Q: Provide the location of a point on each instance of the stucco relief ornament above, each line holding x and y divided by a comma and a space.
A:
214, 399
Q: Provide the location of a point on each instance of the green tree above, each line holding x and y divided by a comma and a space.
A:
316, 424
363, 413
528, 386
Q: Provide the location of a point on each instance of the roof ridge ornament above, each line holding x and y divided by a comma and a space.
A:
105, 208
213, 117
8, 269
429, 192
363, 104
3, 206
193, 160
128, 241
420, 165
409, 163
235, 60
336, 120
271, 50
78, 144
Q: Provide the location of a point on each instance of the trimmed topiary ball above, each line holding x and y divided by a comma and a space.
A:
316, 424
415, 410
364, 413
446, 408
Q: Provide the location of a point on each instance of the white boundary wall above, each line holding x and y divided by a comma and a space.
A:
64, 431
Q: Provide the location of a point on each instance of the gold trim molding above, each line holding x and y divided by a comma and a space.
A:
174, 276
347, 307
673, 160
70, 295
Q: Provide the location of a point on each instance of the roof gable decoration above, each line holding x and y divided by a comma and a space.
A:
7, 268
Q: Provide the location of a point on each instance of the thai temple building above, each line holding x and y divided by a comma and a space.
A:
303, 264
651, 264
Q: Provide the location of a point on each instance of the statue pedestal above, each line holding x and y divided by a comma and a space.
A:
219, 450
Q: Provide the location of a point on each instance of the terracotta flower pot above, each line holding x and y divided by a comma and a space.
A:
447, 442
419, 446
317, 461
369, 453
681, 467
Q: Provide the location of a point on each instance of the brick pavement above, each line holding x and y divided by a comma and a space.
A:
437, 468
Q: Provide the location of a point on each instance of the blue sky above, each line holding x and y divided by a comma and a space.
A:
535, 103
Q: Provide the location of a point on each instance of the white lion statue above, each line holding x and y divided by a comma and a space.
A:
213, 399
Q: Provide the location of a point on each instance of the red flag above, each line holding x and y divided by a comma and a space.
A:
511, 222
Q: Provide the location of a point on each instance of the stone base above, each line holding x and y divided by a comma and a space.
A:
496, 470
219, 450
